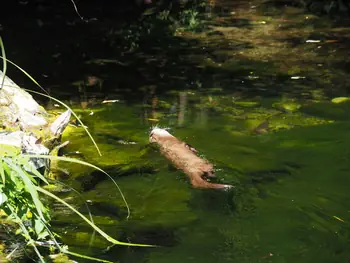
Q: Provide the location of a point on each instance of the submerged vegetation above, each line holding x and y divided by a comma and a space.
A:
260, 88
21, 185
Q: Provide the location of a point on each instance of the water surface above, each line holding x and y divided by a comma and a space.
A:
252, 92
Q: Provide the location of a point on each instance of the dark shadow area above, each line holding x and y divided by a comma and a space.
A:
59, 49
62, 52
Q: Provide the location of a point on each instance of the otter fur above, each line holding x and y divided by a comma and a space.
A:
183, 157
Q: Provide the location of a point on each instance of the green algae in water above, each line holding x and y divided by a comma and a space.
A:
111, 127
282, 195
154, 198
291, 221
340, 100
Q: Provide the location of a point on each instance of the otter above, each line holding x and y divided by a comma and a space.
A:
184, 157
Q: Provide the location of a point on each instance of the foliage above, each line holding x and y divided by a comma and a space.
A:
189, 20
159, 21
19, 198
20, 185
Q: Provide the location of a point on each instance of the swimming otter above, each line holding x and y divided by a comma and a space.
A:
183, 157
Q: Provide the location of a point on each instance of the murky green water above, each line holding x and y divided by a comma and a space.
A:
290, 201
252, 94
261, 112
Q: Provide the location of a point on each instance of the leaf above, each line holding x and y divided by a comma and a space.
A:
2, 172
339, 219
8, 150
86, 164
340, 100
4, 69
24, 160
43, 235
85, 257
25, 73
29, 186
74, 114
26, 234
38, 226
99, 230
3, 198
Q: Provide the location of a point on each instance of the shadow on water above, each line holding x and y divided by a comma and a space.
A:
250, 89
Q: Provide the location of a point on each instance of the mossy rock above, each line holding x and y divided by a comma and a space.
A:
287, 105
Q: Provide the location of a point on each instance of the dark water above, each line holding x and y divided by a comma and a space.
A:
252, 91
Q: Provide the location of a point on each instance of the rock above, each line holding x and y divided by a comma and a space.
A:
18, 106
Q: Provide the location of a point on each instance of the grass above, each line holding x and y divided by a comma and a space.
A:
20, 190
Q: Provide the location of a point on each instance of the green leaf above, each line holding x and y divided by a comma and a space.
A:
60, 158
99, 230
74, 114
43, 235
30, 187
340, 100
4, 68
85, 257
8, 150
3, 197
24, 160
2, 172
39, 226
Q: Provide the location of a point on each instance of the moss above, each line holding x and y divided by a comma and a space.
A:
153, 198
287, 105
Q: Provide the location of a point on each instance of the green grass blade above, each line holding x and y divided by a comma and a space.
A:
65, 159
4, 68
60, 102
26, 232
29, 186
63, 250
25, 73
24, 159
75, 115
100, 231
85, 257
78, 194
2, 171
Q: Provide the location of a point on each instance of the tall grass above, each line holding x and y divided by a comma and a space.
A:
21, 190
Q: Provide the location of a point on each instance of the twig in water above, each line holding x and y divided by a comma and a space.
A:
76, 10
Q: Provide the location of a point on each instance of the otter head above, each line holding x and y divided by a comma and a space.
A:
157, 133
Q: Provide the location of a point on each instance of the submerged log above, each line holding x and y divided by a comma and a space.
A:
182, 157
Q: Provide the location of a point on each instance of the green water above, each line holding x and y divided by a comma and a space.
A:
262, 114
251, 93
289, 202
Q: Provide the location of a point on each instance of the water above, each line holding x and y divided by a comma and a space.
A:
289, 202
252, 93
